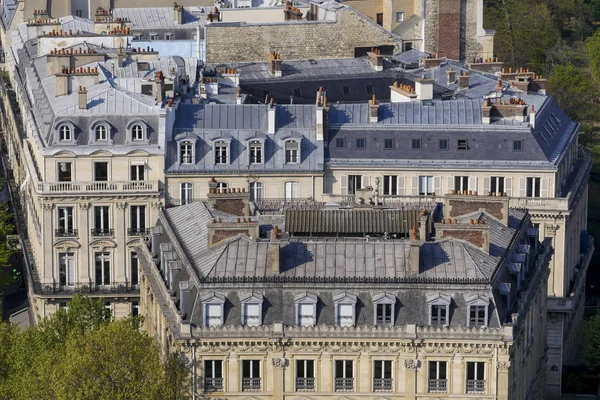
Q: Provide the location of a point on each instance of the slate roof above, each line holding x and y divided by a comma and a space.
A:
160, 17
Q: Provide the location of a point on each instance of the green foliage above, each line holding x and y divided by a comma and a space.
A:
574, 91
6, 228
590, 341
592, 46
80, 354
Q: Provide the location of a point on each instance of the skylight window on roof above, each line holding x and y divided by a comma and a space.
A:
415, 144
143, 66
361, 143
346, 90
388, 144
517, 145
443, 145
340, 143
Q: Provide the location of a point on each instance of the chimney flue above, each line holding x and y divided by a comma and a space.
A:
463, 81
178, 14
275, 64
373, 110
82, 98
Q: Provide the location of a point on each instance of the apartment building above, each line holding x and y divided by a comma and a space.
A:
316, 309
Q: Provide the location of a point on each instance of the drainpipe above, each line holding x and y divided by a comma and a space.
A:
195, 373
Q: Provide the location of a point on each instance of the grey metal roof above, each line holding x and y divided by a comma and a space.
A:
160, 17
76, 24
8, 10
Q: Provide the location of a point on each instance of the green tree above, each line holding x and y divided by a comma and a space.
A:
574, 91
590, 341
592, 46
6, 228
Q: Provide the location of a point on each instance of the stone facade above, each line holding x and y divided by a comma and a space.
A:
318, 39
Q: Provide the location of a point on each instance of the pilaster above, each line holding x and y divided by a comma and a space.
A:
48, 236
120, 221
277, 376
84, 261
411, 367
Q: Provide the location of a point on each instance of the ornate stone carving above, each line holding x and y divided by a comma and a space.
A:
84, 206
279, 362
48, 206
121, 205
552, 229
503, 365
412, 364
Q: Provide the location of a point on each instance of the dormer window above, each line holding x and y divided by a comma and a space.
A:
383, 309
214, 305
292, 152
345, 309
477, 310
439, 309
186, 152
101, 133
137, 132
221, 152
256, 152
251, 309
65, 133
306, 309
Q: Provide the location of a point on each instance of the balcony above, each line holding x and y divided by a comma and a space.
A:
57, 288
437, 386
103, 232
344, 384
68, 188
138, 231
66, 232
383, 384
560, 304
305, 384
475, 386
250, 384
213, 384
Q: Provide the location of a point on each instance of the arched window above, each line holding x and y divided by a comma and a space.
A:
186, 152
137, 132
292, 151
101, 133
65, 133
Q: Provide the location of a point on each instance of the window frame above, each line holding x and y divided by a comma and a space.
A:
346, 90
69, 276
306, 299
58, 171
256, 191
256, 152
220, 146
462, 144
533, 185
478, 301
305, 379
429, 180
295, 190
134, 171
251, 299
65, 133
216, 377
447, 144
387, 374
343, 301
137, 214
383, 299
459, 183
416, 144
399, 16
288, 152
342, 141
363, 141
438, 373
134, 270
343, 374
186, 151
104, 258
389, 141
67, 214
99, 130
213, 300
438, 300
186, 193
390, 182
517, 145
496, 182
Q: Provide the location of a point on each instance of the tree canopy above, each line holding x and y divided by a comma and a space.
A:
80, 353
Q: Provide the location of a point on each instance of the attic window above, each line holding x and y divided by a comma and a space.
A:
346, 90
517, 145
297, 92
463, 144
154, 36
65, 133
137, 36
361, 143
147, 90
370, 89
143, 66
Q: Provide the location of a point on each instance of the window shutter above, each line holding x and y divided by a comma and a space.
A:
486, 186
415, 186
366, 181
70, 261
344, 188
545, 187
401, 190
450, 184
473, 183
522, 187
437, 185
508, 186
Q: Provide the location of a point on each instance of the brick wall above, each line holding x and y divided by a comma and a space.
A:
223, 234
449, 24
294, 41
474, 237
230, 206
462, 207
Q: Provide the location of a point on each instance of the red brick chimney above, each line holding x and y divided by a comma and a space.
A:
275, 64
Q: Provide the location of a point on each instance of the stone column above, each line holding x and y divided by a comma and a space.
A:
364, 373
84, 265
234, 376
502, 379
458, 381
120, 223
48, 275
325, 383
411, 366
277, 377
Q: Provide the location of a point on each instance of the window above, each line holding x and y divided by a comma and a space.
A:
384, 309
153, 36
382, 376
291, 152
65, 222
137, 36
533, 187
425, 185
256, 152
256, 191
346, 90
108, 308
340, 143
388, 144
390, 185
305, 375
221, 148
415, 144
439, 306
135, 271
344, 309
250, 375
186, 155
291, 190
187, 193
102, 268
135, 308
168, 36
517, 145
137, 221
213, 375
461, 184
344, 375
399, 16
101, 221
251, 309
297, 92
65, 133
64, 172
477, 310
66, 268
213, 309
438, 382
463, 144
63, 305
101, 133
497, 185
101, 171
306, 309
137, 132
136, 172
354, 183
370, 89
443, 144
361, 143
475, 377
79, 13
221, 186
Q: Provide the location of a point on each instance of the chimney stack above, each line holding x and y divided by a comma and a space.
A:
159, 87
62, 82
320, 109
463, 81
414, 257
373, 110
532, 116
82, 98
121, 57
273, 251
271, 117
451, 76
178, 14
376, 59
238, 96
424, 89
275, 64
